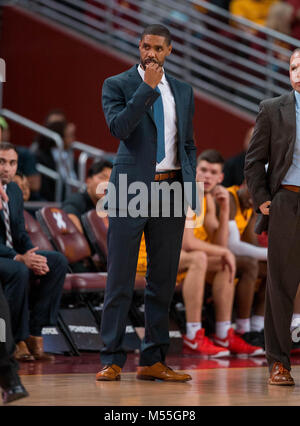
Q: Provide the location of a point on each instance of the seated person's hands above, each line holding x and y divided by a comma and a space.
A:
33, 261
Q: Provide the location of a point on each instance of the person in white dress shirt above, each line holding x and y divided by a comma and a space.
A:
151, 113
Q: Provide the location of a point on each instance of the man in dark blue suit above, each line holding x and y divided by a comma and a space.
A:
151, 113
10, 382
32, 280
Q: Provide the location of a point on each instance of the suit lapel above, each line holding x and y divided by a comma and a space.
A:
178, 102
134, 81
288, 112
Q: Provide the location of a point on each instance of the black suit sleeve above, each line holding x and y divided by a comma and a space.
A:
257, 157
121, 117
6, 251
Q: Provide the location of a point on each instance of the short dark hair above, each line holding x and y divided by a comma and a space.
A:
211, 156
55, 111
98, 166
45, 143
159, 30
6, 146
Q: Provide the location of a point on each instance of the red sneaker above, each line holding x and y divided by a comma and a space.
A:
201, 344
237, 346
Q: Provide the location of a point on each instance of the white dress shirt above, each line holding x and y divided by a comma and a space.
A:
170, 162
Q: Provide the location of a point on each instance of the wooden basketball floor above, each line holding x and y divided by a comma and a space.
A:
70, 381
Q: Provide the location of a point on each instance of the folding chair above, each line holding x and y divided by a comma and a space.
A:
66, 238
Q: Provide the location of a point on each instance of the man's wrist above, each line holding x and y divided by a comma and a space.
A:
152, 85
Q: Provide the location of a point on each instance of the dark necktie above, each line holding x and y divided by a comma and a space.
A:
158, 114
9, 241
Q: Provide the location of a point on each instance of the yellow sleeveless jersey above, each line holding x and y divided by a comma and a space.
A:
241, 219
199, 230
142, 260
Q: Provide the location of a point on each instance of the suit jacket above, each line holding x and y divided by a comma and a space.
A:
21, 240
127, 102
272, 143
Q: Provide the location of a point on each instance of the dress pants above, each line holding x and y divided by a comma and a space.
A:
163, 236
283, 275
33, 300
8, 364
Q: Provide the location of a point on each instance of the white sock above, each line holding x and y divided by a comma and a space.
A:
242, 325
192, 328
257, 323
222, 328
295, 321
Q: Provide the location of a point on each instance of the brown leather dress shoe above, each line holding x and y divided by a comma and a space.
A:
36, 348
109, 373
160, 371
22, 353
280, 376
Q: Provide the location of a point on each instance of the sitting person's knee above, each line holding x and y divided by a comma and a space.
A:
199, 259
248, 265
22, 271
55, 258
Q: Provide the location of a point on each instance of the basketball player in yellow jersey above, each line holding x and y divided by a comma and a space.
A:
253, 259
192, 272
210, 237
250, 263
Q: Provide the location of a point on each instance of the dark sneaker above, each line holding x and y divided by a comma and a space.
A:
255, 338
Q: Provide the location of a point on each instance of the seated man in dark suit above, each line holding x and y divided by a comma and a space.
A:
23, 268
12, 387
82, 202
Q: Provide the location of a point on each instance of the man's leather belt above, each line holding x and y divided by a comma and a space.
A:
293, 188
166, 175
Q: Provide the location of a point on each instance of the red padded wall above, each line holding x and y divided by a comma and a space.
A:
49, 66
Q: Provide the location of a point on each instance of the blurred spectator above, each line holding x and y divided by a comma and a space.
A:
234, 166
285, 18
5, 130
22, 182
255, 11
56, 114
53, 115
27, 166
47, 154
